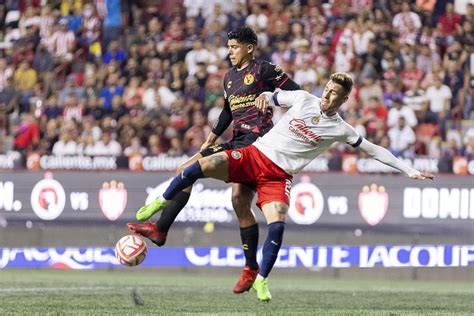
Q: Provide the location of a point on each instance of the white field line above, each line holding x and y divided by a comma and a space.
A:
60, 289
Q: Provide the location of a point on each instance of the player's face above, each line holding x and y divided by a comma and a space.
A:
239, 53
333, 96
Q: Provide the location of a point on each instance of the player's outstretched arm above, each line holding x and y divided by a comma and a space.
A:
383, 155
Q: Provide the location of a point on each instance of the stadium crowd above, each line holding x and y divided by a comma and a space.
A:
111, 77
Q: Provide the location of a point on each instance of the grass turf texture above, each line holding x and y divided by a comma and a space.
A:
128, 292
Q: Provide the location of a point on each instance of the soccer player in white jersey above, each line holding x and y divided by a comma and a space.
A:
309, 127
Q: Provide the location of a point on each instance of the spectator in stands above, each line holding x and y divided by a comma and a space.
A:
370, 89
415, 97
469, 143
410, 74
111, 13
176, 147
25, 79
306, 74
402, 21
401, 137
155, 146
114, 53
374, 115
399, 110
8, 104
439, 98
164, 70
66, 145
199, 54
72, 109
6, 72
449, 22
196, 135
111, 89
344, 59
135, 148
63, 43
27, 135
107, 146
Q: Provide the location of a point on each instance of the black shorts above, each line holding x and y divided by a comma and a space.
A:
238, 141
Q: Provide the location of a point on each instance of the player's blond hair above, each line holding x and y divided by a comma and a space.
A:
344, 79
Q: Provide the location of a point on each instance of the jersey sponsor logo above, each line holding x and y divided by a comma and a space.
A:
229, 84
373, 203
239, 102
249, 79
236, 154
300, 129
306, 204
315, 119
48, 198
112, 199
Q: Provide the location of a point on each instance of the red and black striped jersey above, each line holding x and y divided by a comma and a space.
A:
242, 87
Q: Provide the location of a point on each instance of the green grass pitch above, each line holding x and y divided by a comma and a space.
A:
145, 292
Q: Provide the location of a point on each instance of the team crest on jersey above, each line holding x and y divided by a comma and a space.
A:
315, 119
373, 203
236, 154
229, 84
249, 79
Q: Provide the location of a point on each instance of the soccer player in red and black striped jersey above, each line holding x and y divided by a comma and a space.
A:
243, 83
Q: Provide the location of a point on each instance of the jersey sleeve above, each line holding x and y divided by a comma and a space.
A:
275, 77
224, 120
286, 99
351, 136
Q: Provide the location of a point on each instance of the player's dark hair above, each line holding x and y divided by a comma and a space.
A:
243, 34
344, 79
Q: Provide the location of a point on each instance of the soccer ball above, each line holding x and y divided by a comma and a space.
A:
130, 250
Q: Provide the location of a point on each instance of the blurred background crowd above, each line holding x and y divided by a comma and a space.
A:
111, 77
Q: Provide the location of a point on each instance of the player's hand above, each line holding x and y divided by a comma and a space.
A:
262, 103
423, 176
207, 144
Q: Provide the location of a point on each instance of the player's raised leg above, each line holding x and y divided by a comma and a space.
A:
275, 214
157, 232
178, 202
242, 196
214, 166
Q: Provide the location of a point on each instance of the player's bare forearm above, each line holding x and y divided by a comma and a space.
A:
210, 140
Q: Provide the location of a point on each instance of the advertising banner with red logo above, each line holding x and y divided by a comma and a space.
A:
365, 201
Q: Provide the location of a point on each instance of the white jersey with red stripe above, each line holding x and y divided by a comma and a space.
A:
304, 132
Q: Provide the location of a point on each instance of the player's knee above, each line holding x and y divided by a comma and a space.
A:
180, 169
